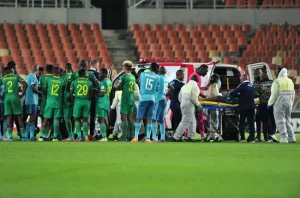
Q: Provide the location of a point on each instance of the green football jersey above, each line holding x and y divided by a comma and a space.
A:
106, 86
66, 78
127, 81
55, 87
10, 83
42, 84
91, 77
82, 88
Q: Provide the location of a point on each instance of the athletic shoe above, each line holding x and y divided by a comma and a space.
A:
148, 141
69, 139
189, 140
103, 140
115, 138
294, 141
87, 139
154, 140
162, 141
218, 139
40, 139
80, 139
175, 140
273, 138
269, 141
134, 140
8, 139
257, 139
55, 140
249, 139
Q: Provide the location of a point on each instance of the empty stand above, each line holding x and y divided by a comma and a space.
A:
234, 44
56, 44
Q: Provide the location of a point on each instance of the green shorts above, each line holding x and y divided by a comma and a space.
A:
82, 109
101, 113
126, 108
67, 111
51, 112
12, 105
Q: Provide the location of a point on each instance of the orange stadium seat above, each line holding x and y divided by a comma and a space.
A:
277, 3
241, 3
190, 28
252, 3
157, 27
230, 3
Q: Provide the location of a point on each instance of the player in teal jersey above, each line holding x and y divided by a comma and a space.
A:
54, 88
82, 90
67, 102
103, 103
160, 105
149, 81
12, 100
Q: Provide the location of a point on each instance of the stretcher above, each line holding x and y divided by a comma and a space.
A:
220, 108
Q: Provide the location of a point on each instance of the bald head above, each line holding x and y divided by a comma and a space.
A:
244, 77
35, 68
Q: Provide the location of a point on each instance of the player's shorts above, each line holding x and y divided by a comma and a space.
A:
51, 112
101, 113
145, 110
67, 110
126, 108
31, 109
82, 109
159, 110
12, 105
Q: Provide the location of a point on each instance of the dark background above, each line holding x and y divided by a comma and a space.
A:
114, 13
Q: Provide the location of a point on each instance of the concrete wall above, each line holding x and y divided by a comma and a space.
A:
50, 15
218, 16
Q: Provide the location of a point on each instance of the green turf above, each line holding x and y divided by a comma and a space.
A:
93, 169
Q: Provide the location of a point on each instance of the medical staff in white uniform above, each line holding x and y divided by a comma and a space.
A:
282, 97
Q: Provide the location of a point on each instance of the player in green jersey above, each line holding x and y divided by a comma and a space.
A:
54, 88
127, 83
43, 79
103, 103
83, 65
67, 103
12, 100
82, 89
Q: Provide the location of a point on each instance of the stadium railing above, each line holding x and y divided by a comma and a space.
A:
214, 4
47, 3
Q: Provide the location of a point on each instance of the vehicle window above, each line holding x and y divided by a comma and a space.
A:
232, 74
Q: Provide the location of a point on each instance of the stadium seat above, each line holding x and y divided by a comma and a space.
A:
252, 4
229, 3
241, 3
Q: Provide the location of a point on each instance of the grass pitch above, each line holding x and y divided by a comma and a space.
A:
93, 169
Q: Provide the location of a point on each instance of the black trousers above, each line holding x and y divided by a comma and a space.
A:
258, 123
175, 107
249, 114
92, 117
267, 118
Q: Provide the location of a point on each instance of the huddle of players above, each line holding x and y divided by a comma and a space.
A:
60, 96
